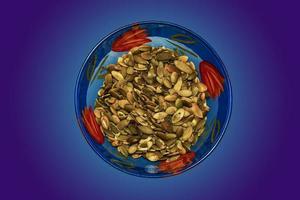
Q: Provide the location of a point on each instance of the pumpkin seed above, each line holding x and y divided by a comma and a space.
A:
183, 66
146, 55
179, 131
170, 136
173, 158
178, 103
115, 119
146, 129
123, 150
183, 58
144, 48
187, 133
160, 115
164, 56
132, 149
196, 110
117, 75
133, 139
177, 86
180, 147
171, 110
202, 87
171, 97
160, 143
130, 70
104, 122
123, 102
153, 156
185, 93
136, 156
122, 124
139, 59
178, 115
174, 77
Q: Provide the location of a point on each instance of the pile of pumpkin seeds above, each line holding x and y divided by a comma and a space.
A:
152, 104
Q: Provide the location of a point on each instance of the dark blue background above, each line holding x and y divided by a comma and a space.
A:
44, 155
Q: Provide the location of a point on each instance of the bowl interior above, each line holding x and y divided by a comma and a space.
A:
171, 36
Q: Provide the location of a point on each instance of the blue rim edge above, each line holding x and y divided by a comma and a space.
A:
223, 130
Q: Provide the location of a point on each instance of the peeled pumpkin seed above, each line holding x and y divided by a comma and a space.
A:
166, 55
160, 115
196, 110
183, 58
139, 60
180, 147
167, 83
152, 104
170, 136
171, 110
183, 66
171, 97
117, 75
122, 103
187, 133
132, 149
185, 93
153, 156
123, 150
130, 70
144, 48
160, 143
115, 119
177, 86
178, 103
97, 112
191, 139
172, 158
146, 130
104, 122
136, 156
122, 124
146, 55
174, 77
202, 87
186, 113
179, 131
178, 115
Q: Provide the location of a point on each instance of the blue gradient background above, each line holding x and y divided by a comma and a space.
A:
44, 155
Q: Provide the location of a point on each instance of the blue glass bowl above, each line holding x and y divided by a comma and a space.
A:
172, 36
